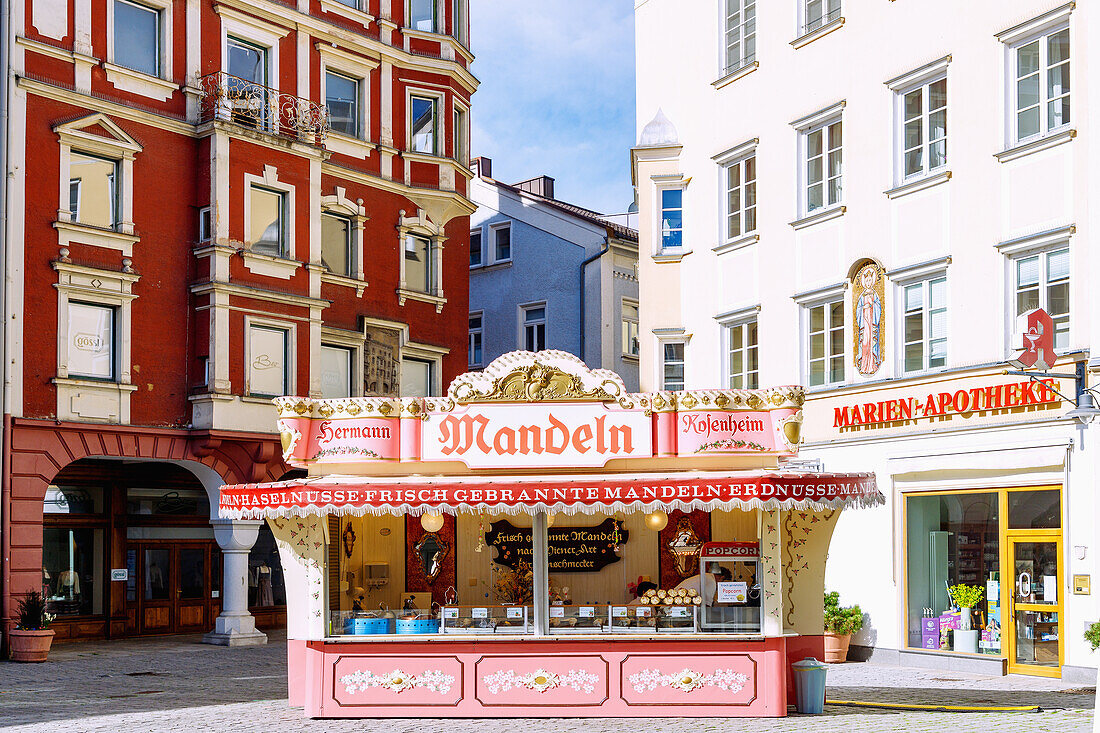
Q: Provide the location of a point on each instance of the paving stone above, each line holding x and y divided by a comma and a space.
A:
178, 684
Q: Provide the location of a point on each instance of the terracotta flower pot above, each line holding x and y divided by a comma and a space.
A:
30, 646
836, 647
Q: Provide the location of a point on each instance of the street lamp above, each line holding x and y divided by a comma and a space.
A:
1086, 410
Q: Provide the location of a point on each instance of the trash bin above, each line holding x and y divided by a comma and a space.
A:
809, 685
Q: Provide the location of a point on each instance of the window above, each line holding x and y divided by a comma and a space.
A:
502, 243
1041, 83
459, 132
923, 133
205, 231
1042, 281
93, 190
744, 356
825, 330
91, 350
817, 13
534, 328
458, 20
630, 344
268, 361
475, 340
422, 15
824, 164
672, 218
417, 377
268, 231
924, 326
740, 34
423, 125
350, 3
246, 86
137, 37
672, 365
741, 198
475, 248
336, 251
72, 569
342, 99
336, 371
418, 264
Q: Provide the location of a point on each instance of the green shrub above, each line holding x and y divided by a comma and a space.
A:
32, 613
841, 620
1092, 636
967, 596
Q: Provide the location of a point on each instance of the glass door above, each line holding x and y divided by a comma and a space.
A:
1035, 605
246, 86
155, 604
192, 588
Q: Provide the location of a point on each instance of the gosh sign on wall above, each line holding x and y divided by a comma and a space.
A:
539, 435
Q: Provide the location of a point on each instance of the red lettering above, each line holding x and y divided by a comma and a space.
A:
961, 401
841, 418
581, 437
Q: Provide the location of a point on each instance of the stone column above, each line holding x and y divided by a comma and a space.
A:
235, 625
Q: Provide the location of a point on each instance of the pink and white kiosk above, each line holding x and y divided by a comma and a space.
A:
540, 542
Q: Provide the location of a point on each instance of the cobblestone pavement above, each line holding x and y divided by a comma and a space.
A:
179, 684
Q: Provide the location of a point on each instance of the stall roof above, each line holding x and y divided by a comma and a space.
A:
573, 494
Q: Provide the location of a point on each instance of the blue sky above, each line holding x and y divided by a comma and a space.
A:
557, 95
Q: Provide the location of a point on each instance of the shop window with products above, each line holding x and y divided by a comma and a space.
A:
954, 539
265, 573
72, 550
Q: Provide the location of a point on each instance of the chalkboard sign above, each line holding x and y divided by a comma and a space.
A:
571, 549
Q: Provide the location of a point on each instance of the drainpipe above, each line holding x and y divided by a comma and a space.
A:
584, 265
7, 40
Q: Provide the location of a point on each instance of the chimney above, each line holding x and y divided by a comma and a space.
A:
540, 186
483, 167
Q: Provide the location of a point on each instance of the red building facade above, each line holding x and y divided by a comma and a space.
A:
212, 203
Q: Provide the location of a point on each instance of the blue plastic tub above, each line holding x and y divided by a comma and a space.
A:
369, 626
418, 626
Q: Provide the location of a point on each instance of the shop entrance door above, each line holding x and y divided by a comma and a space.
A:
1034, 619
172, 588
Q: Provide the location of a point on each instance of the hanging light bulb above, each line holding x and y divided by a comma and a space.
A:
550, 517
656, 520
431, 522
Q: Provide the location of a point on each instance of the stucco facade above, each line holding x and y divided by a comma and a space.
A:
809, 150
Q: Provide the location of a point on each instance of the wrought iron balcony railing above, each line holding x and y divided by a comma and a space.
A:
248, 104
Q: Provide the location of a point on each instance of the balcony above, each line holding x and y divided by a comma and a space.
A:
256, 107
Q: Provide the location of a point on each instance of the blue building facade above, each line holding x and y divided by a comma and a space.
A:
545, 274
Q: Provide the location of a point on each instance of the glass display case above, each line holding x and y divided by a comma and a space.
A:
486, 620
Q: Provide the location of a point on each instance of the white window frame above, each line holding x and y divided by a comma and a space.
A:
1014, 38
431, 354
923, 278
437, 20
524, 323
480, 333
661, 336
1041, 248
740, 319
725, 68
119, 147
623, 324
438, 128
827, 16
919, 78
290, 368
663, 183
492, 249
812, 299
460, 21
421, 226
340, 204
358, 98
157, 86
257, 33
107, 288
807, 341
206, 224
460, 134
350, 353
736, 156
358, 68
662, 363
479, 232
818, 121
270, 180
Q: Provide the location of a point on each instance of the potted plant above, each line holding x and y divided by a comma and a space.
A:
31, 638
840, 624
1092, 635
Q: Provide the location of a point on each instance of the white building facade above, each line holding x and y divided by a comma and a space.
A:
862, 198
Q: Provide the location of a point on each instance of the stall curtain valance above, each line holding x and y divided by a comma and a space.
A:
597, 494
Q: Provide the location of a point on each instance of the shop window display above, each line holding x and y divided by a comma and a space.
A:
953, 539
265, 572
72, 570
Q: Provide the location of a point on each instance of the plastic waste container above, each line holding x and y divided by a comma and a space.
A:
809, 686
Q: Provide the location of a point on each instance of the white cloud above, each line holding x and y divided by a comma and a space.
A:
557, 95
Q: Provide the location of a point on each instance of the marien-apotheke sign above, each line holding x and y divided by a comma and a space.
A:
572, 549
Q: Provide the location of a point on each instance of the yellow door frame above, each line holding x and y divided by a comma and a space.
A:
1005, 538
